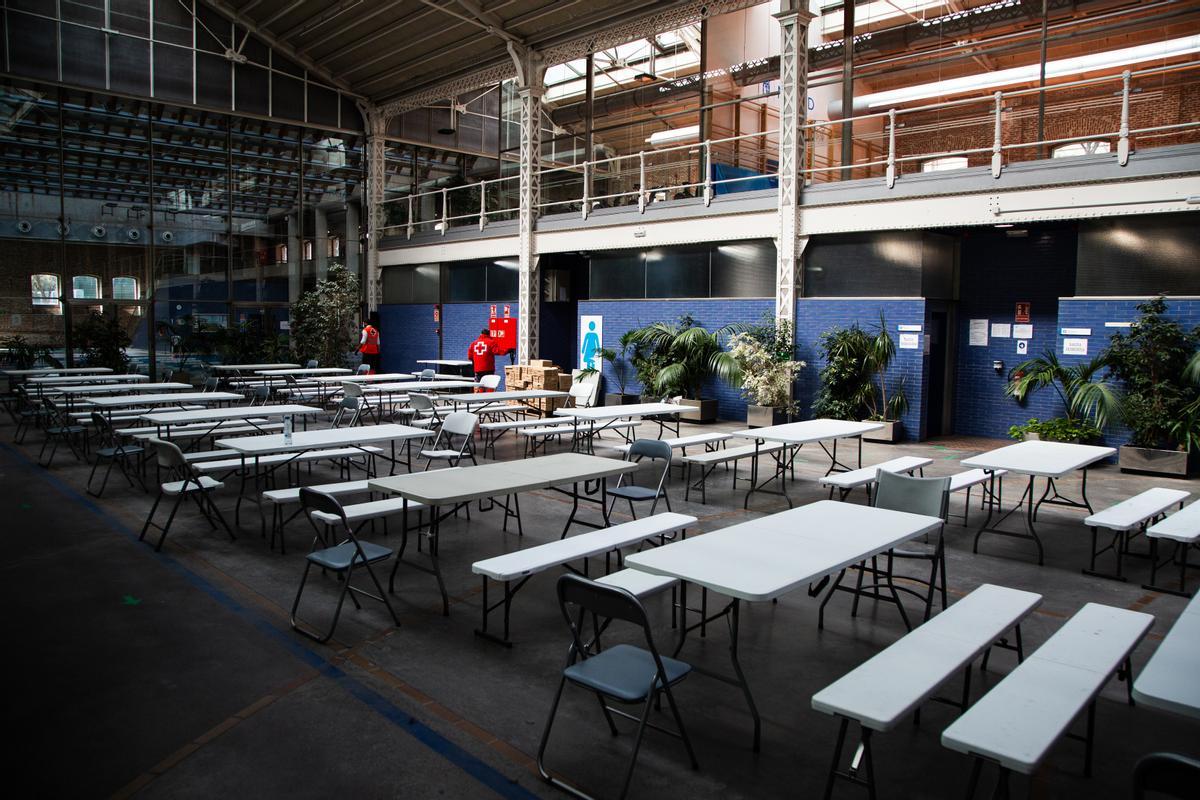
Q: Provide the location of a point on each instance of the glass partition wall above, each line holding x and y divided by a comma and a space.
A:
177, 222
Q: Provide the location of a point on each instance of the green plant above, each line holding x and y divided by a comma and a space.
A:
1059, 429
102, 341
1155, 360
881, 352
687, 354
324, 320
846, 377
23, 354
765, 356
1083, 388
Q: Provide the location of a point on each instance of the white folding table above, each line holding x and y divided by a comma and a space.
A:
1171, 678
1037, 459
793, 436
250, 367
46, 371
450, 488
591, 421
765, 558
109, 404
76, 391
455, 364
479, 403
302, 372
163, 420
66, 380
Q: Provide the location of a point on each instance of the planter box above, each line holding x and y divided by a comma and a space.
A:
621, 399
765, 416
702, 411
891, 433
1159, 462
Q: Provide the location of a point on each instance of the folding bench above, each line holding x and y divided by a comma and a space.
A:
1022, 717
543, 434
280, 499
711, 459
991, 492
897, 681
492, 431
516, 568
864, 477
1182, 528
1126, 520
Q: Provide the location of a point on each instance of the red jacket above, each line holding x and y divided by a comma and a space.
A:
482, 353
370, 340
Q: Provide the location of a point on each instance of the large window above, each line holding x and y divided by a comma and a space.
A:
1081, 149
944, 163
85, 287
45, 289
744, 269
125, 288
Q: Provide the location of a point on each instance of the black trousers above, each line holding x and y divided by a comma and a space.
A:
372, 359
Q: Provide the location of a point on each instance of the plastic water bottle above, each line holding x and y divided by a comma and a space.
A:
287, 429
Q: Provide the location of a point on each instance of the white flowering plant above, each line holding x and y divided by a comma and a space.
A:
764, 355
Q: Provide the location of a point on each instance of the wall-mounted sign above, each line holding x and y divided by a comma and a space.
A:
978, 333
1022, 347
1001, 330
1075, 347
910, 341
507, 312
1024, 309
1076, 331
437, 313
909, 328
591, 340
1022, 331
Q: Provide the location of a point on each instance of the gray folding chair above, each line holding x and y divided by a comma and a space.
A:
60, 428
311, 364
110, 449
489, 382
425, 413
363, 369
652, 450
183, 482
458, 424
928, 496
260, 395
352, 404
344, 558
211, 384
427, 375
623, 673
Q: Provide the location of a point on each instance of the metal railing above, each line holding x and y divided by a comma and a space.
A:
633, 179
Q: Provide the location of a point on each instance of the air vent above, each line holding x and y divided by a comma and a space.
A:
99, 231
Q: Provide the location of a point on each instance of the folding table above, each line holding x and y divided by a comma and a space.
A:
163, 420
461, 365
450, 488
250, 367
109, 404
75, 391
302, 372
45, 371
66, 380
598, 419
1037, 459
1171, 678
793, 436
768, 557
479, 403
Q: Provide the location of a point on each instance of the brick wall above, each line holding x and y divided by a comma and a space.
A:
624, 315
815, 315
409, 333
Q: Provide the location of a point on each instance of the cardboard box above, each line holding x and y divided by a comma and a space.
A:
541, 362
564, 383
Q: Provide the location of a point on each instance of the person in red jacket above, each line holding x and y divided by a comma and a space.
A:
482, 353
368, 344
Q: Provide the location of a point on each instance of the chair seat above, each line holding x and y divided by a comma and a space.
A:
633, 492
124, 450
914, 550
205, 483
622, 672
65, 430
441, 454
339, 556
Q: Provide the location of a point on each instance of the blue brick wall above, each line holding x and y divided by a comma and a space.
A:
624, 315
1092, 313
997, 272
409, 333
816, 315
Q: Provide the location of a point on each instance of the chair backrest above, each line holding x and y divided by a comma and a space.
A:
170, 457
262, 393
580, 394
489, 381
312, 500
1167, 774
311, 364
606, 602
104, 429
212, 383
460, 423
351, 389
166, 374
427, 375
652, 449
928, 496
363, 369
421, 402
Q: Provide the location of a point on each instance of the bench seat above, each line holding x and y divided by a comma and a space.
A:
711, 459
1126, 520
864, 477
275, 459
1183, 529
684, 442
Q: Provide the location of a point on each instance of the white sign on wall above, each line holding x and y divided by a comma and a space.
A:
591, 339
910, 341
977, 333
1075, 347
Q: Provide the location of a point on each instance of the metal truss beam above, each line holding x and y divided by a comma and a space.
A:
531, 69
376, 177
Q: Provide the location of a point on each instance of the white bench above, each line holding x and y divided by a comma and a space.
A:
1020, 719
991, 492
864, 477
709, 440
282, 498
1182, 528
711, 459
1126, 520
516, 568
543, 434
231, 465
200, 430
492, 431
898, 681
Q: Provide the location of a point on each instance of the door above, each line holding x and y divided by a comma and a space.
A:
939, 399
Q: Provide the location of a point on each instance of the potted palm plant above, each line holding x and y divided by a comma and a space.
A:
1089, 400
765, 356
883, 403
685, 356
1154, 360
621, 363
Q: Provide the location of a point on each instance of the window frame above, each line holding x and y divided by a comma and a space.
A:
75, 291
44, 301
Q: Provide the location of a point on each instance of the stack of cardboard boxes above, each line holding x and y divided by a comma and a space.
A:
538, 374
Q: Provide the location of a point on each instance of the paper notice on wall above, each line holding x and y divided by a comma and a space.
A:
978, 336
1022, 347
1001, 330
1022, 331
910, 341
1075, 347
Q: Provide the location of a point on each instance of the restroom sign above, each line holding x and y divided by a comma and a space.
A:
1024, 309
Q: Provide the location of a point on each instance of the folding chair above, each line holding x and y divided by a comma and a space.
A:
352, 403
489, 383
60, 428
297, 393
109, 448
29, 411
623, 673
344, 559
578, 396
363, 369
427, 375
311, 364
211, 384
425, 413
186, 483
1165, 774
459, 423
165, 374
653, 450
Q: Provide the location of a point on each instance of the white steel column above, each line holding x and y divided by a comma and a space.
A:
794, 17
376, 176
530, 71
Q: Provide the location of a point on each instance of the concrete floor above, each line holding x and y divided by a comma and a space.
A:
176, 674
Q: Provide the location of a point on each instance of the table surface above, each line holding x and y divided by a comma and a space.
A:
1044, 459
770, 556
327, 437
515, 394
809, 430
449, 362
1181, 525
88, 379
305, 371
58, 371
119, 400
214, 414
618, 412
238, 367
122, 387
1171, 678
408, 386
442, 487
379, 377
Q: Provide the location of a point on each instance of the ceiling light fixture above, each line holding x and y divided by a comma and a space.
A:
675, 135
